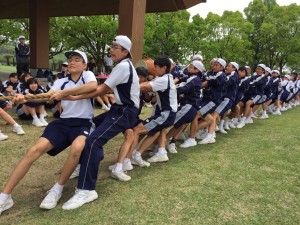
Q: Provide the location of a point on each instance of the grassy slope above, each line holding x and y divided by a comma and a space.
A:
250, 176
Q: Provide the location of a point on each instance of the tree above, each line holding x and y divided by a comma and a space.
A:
165, 33
92, 34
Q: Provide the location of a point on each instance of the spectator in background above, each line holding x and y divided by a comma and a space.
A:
64, 70
91, 66
10, 86
22, 56
108, 63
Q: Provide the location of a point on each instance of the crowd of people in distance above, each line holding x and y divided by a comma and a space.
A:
188, 105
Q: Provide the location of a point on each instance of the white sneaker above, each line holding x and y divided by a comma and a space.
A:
80, 198
226, 125
44, 122
200, 133
5, 205
50, 201
240, 125
37, 123
217, 129
3, 137
277, 112
265, 116
126, 167
75, 172
222, 130
19, 130
158, 158
120, 175
172, 148
207, 140
231, 125
188, 143
139, 161
104, 107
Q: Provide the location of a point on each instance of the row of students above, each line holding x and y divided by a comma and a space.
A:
74, 126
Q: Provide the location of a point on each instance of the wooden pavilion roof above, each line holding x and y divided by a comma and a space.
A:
11, 9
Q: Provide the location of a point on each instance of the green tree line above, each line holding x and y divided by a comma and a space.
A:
266, 33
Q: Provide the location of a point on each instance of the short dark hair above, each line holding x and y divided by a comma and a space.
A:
162, 61
243, 68
31, 81
142, 71
13, 75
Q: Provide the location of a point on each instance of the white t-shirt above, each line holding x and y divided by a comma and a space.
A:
165, 92
80, 108
119, 77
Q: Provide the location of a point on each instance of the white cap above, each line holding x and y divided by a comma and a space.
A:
222, 62
236, 66
287, 76
21, 37
247, 67
172, 62
268, 69
77, 52
276, 71
124, 41
262, 66
65, 63
197, 57
199, 65
213, 60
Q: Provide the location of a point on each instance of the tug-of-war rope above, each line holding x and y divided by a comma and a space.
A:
27, 97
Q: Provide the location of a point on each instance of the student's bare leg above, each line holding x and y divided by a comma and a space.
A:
72, 160
42, 146
5, 116
148, 141
137, 131
129, 138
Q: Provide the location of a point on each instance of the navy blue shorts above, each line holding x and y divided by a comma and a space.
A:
62, 132
224, 106
185, 114
283, 95
207, 106
34, 104
254, 98
159, 121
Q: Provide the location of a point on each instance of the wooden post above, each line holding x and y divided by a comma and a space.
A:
131, 23
39, 34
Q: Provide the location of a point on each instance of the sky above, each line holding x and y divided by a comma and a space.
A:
219, 6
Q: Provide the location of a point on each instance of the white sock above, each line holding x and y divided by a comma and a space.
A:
209, 135
16, 125
42, 117
137, 153
35, 117
118, 167
4, 197
161, 151
58, 187
126, 160
190, 139
243, 119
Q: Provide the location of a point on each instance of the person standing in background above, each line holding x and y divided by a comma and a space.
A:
108, 62
22, 56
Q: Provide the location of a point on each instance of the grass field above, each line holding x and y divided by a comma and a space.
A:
250, 176
7, 69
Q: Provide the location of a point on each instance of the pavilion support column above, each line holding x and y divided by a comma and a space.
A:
132, 23
39, 34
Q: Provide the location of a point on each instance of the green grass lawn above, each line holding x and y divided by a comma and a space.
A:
8, 69
250, 176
